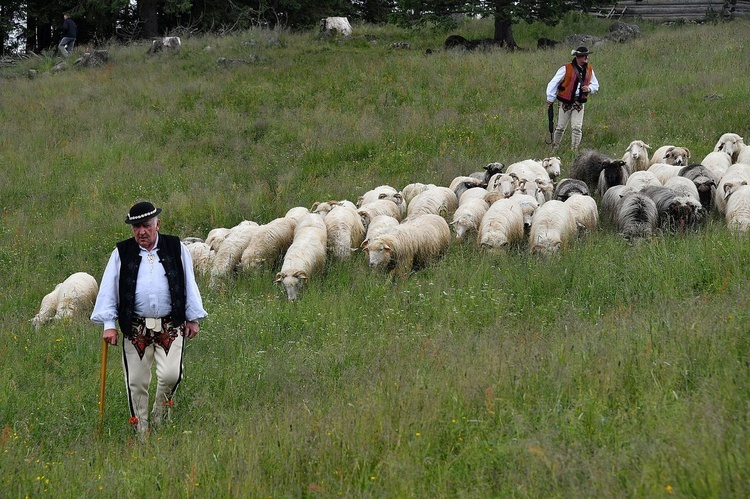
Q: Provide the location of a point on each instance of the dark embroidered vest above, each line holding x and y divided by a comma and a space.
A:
169, 251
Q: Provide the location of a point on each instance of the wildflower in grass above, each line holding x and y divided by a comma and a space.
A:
668, 488
133, 421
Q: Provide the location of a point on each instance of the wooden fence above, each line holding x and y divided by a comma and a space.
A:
687, 10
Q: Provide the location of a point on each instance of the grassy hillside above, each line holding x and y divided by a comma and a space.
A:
615, 369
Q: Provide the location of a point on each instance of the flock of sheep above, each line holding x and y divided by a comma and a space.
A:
522, 205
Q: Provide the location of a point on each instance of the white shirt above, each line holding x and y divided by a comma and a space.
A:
555, 82
152, 298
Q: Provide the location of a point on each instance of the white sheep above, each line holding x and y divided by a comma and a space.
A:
216, 236
738, 210
732, 144
664, 171
585, 212
737, 175
345, 231
636, 156
75, 295
411, 191
717, 162
642, 178
378, 207
305, 257
268, 244
230, 251
553, 228
529, 169
296, 213
413, 244
378, 225
383, 192
473, 193
503, 184
459, 185
468, 216
202, 256
437, 201
501, 226
671, 155
528, 204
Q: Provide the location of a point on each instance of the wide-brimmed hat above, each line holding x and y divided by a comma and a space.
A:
140, 212
580, 51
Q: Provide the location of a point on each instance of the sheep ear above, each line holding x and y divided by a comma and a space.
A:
301, 274
399, 197
387, 249
315, 205
279, 277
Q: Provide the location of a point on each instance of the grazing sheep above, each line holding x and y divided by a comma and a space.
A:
569, 186
684, 187
202, 256
642, 178
588, 166
664, 171
530, 169
411, 245
380, 224
296, 213
345, 231
380, 192
473, 193
468, 216
75, 295
501, 226
704, 181
411, 191
191, 240
552, 165
676, 213
611, 202
230, 251
553, 228
636, 156
717, 162
744, 155
503, 184
732, 144
335, 26
216, 236
738, 210
438, 201
528, 204
306, 255
379, 207
538, 189
322, 207
636, 216
738, 174
459, 185
585, 212
671, 155
268, 244
489, 170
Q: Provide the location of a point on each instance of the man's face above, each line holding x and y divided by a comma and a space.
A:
145, 233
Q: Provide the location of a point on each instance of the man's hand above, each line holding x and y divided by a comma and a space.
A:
110, 336
191, 329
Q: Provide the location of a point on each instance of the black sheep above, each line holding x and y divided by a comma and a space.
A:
598, 171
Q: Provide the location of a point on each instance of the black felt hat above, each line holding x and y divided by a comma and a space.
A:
140, 212
580, 51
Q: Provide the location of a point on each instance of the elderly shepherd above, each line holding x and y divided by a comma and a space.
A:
149, 289
571, 85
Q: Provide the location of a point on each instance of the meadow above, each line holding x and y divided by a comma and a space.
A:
616, 369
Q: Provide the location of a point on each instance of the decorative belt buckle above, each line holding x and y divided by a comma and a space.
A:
153, 324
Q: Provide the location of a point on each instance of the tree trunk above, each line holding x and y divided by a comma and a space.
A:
504, 23
148, 16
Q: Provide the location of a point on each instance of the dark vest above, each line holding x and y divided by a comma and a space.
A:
575, 77
169, 251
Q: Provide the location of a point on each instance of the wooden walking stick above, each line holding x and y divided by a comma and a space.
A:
102, 385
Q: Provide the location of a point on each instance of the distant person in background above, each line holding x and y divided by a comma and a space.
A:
572, 85
69, 33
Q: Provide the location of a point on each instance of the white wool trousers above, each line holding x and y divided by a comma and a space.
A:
138, 373
575, 119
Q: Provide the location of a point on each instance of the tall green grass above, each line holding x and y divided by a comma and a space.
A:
615, 369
